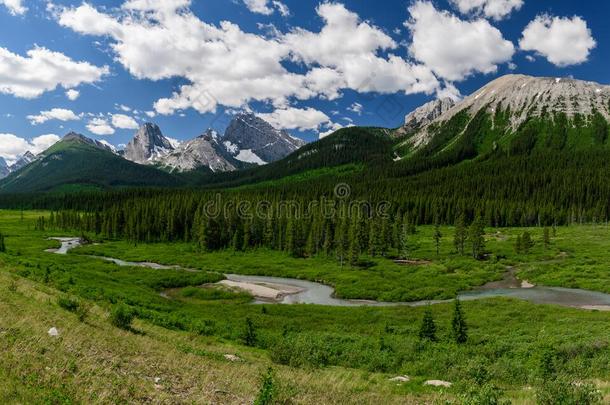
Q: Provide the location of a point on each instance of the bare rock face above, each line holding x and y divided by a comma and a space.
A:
251, 139
525, 97
148, 145
425, 114
203, 151
4, 170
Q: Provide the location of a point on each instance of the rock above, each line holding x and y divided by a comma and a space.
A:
400, 379
157, 379
527, 284
438, 383
147, 145
251, 139
232, 357
53, 332
425, 114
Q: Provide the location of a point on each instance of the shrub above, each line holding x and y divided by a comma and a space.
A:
267, 390
68, 304
121, 316
566, 392
249, 337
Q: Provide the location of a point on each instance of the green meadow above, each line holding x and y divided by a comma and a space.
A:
183, 324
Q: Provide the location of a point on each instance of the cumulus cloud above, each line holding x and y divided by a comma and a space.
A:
60, 114
159, 41
43, 70
496, 9
12, 147
15, 7
72, 94
296, 118
124, 121
267, 7
100, 126
562, 41
455, 49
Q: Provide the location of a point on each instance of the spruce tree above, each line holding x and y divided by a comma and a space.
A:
427, 331
2, 245
476, 236
459, 240
458, 324
249, 337
437, 238
526, 241
404, 241
518, 245
546, 238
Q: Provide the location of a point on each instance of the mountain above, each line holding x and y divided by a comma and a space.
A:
79, 162
517, 114
4, 169
147, 145
425, 114
204, 151
251, 139
27, 158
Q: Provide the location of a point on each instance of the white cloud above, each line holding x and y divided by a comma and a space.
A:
266, 7
123, 107
164, 42
356, 108
100, 126
496, 9
562, 41
455, 49
296, 118
151, 114
60, 114
332, 127
13, 147
124, 121
72, 94
15, 7
43, 70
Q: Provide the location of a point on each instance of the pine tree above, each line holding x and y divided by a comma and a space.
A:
459, 240
404, 241
437, 238
427, 330
249, 337
518, 245
458, 324
546, 238
526, 241
476, 236
2, 245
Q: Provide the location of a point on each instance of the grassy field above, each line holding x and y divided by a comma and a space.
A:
320, 354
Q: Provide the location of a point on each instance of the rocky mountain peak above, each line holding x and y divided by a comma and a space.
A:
249, 138
76, 137
4, 169
147, 144
427, 113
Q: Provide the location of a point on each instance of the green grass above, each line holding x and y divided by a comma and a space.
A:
507, 337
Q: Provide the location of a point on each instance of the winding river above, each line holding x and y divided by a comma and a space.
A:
293, 291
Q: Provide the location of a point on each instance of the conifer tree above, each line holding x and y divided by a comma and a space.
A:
526, 241
518, 245
2, 245
249, 337
476, 236
546, 238
461, 234
458, 324
404, 241
437, 238
427, 331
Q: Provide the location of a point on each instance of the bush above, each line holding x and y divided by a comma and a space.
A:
68, 304
267, 390
566, 392
121, 316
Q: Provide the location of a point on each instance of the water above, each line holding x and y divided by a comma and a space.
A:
320, 294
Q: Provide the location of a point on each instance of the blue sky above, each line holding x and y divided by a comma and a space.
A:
306, 65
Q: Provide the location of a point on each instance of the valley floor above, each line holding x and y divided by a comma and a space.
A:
175, 350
